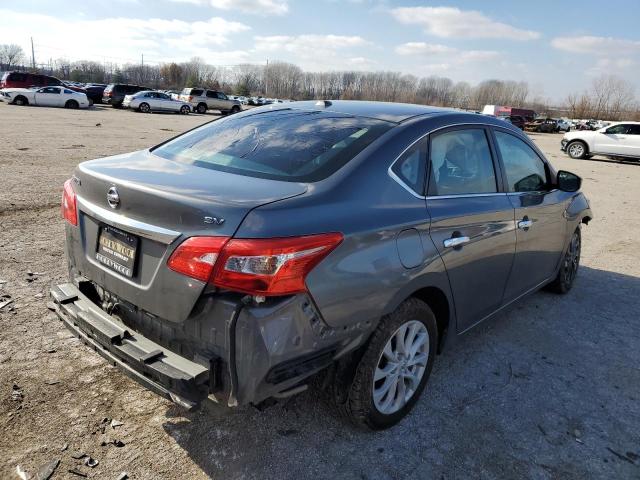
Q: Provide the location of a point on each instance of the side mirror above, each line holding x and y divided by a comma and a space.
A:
568, 182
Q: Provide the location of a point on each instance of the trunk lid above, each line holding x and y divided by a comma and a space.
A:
160, 202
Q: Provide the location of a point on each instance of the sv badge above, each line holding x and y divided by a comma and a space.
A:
214, 220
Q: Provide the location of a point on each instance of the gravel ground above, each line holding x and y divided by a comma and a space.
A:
549, 389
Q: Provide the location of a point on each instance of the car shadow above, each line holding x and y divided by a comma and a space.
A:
499, 403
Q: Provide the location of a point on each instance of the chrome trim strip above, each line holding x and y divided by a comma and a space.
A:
142, 229
398, 180
465, 195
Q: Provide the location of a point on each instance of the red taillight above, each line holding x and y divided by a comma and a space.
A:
196, 256
269, 267
68, 207
190, 98
275, 266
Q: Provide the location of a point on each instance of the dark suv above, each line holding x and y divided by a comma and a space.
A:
337, 242
114, 93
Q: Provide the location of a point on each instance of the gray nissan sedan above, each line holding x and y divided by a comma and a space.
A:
337, 242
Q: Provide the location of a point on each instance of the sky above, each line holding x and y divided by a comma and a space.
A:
557, 47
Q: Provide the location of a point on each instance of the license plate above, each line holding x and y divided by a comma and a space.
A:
117, 250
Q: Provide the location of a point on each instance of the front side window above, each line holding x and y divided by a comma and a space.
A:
290, 145
50, 90
461, 163
525, 170
222, 96
411, 167
634, 129
617, 130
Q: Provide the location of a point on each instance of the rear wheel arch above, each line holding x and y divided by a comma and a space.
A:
439, 305
437, 297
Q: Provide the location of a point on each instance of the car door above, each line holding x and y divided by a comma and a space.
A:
611, 140
212, 99
472, 220
49, 97
539, 213
223, 101
166, 103
633, 140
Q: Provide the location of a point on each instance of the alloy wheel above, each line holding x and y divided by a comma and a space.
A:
576, 150
400, 367
572, 259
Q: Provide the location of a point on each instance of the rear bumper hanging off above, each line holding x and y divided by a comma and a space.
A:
162, 371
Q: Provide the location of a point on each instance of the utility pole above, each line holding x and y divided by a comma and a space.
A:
266, 78
33, 56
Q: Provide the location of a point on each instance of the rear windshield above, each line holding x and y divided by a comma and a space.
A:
290, 145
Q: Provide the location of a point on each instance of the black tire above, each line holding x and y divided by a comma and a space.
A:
144, 107
201, 108
72, 104
185, 109
21, 101
235, 109
569, 267
577, 149
359, 406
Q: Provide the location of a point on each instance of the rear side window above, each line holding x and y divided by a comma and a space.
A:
17, 77
525, 170
411, 167
196, 92
290, 145
211, 94
461, 163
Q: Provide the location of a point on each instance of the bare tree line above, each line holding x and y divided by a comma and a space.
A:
609, 97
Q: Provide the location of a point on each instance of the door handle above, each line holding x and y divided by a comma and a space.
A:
525, 224
455, 242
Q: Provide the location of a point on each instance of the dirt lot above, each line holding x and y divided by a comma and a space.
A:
550, 389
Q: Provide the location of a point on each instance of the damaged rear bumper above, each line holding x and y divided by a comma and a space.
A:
160, 370
233, 352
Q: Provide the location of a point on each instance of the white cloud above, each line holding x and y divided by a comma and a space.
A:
315, 52
435, 51
256, 7
451, 22
422, 48
606, 46
121, 39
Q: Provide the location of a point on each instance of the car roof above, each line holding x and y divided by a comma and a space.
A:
391, 112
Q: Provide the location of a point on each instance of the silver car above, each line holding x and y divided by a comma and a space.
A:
202, 99
151, 101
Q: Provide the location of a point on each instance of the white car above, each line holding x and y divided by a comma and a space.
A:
46, 97
149, 101
620, 140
